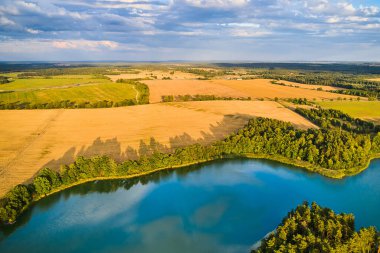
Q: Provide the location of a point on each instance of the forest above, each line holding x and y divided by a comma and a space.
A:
317, 229
330, 119
4, 79
331, 152
355, 85
354, 68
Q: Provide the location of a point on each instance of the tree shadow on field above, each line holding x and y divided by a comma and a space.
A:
113, 148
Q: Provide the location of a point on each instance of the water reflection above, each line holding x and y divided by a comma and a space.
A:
223, 206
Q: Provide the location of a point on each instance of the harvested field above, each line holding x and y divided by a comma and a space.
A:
154, 74
263, 88
158, 88
256, 88
374, 79
310, 86
32, 139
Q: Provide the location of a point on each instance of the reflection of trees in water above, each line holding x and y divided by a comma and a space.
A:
99, 186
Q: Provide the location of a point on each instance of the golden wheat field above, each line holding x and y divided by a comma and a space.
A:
310, 86
154, 74
263, 88
159, 88
256, 89
33, 139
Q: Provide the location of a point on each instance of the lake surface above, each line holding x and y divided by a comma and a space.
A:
223, 206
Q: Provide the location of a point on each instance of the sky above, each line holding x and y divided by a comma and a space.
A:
190, 30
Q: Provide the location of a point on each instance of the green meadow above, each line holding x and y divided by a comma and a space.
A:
358, 109
78, 88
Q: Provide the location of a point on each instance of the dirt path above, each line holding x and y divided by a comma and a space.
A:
137, 94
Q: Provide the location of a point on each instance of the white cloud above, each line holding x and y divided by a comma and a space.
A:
84, 44
369, 10
217, 3
241, 25
248, 33
333, 20
6, 21
32, 31
346, 8
356, 19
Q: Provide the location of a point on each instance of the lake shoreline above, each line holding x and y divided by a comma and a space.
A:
340, 174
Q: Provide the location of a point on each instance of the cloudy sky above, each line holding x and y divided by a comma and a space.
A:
198, 30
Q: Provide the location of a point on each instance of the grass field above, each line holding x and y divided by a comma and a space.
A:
360, 109
32, 139
57, 81
73, 88
256, 89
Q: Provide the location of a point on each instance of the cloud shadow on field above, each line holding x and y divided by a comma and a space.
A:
113, 148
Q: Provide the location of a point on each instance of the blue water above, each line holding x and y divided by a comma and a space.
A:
224, 206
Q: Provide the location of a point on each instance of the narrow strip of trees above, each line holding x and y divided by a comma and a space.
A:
198, 97
4, 79
330, 118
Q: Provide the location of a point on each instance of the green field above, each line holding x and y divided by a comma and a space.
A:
78, 88
358, 109
56, 81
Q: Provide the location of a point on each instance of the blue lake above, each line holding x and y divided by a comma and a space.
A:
223, 206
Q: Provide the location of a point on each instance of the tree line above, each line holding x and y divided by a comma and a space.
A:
198, 97
79, 70
331, 151
330, 118
316, 229
4, 79
353, 84
350, 68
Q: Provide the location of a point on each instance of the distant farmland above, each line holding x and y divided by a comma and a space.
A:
74, 88
369, 110
159, 88
263, 88
256, 89
32, 139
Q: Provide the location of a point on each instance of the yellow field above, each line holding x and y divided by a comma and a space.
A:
158, 88
311, 87
263, 88
154, 74
368, 110
256, 89
374, 79
32, 139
